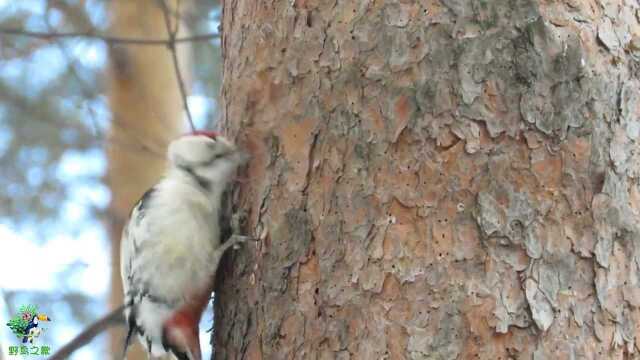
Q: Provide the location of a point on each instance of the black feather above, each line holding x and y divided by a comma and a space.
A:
132, 327
143, 203
140, 207
172, 349
204, 183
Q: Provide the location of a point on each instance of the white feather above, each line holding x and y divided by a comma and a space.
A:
169, 249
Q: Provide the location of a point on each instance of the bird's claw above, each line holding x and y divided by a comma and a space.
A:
239, 239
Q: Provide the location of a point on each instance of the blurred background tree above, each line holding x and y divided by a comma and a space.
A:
60, 108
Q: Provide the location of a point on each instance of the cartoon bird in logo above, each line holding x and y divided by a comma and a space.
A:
31, 331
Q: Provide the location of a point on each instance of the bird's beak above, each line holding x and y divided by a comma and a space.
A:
43, 317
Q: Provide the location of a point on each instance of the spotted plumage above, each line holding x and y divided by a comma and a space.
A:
171, 246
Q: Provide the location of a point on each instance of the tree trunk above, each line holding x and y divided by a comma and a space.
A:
434, 180
147, 114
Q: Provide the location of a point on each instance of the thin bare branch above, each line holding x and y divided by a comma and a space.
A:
87, 91
172, 48
115, 317
107, 38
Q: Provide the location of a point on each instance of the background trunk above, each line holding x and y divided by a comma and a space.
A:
434, 179
147, 114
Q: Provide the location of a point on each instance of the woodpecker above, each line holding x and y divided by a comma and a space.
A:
171, 245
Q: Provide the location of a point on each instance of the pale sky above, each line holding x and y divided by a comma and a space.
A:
33, 256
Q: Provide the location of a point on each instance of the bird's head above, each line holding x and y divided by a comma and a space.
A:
207, 155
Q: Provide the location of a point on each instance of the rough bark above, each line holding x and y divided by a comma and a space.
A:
434, 179
147, 114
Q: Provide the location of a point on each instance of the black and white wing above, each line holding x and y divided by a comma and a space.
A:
136, 252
